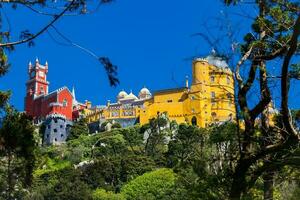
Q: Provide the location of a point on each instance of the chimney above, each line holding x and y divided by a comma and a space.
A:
186, 81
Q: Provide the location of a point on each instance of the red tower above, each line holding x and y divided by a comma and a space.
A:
39, 103
36, 86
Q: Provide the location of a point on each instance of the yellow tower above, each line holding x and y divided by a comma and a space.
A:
208, 100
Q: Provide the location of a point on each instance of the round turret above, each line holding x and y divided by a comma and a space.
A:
122, 95
144, 93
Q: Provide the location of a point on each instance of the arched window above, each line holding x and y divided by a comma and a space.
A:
194, 121
213, 115
212, 79
228, 80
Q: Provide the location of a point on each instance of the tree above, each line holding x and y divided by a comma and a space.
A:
79, 128
65, 183
274, 36
152, 185
157, 132
134, 138
186, 146
101, 194
17, 147
116, 125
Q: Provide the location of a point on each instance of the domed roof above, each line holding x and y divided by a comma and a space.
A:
216, 60
145, 90
122, 94
131, 96
144, 93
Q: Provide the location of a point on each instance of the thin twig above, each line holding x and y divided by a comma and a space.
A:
41, 31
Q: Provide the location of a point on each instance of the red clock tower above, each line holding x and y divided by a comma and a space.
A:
54, 109
36, 86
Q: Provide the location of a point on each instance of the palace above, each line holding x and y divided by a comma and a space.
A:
209, 99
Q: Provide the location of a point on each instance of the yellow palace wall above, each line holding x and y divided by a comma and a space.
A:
208, 100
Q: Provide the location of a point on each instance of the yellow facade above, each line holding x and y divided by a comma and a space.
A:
209, 99
126, 109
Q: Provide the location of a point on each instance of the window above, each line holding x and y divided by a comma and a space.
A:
228, 96
212, 79
213, 115
55, 139
194, 121
65, 103
61, 126
55, 130
42, 90
228, 80
213, 95
49, 127
32, 74
169, 101
62, 135
55, 120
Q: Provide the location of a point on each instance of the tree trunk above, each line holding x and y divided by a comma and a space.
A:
9, 176
265, 130
268, 185
238, 185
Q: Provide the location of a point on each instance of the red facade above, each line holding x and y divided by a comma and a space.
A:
38, 102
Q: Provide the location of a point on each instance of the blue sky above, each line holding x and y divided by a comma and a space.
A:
150, 42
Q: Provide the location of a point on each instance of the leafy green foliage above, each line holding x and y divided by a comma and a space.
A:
17, 152
151, 185
134, 138
116, 125
193, 163
157, 132
65, 184
101, 194
186, 146
79, 128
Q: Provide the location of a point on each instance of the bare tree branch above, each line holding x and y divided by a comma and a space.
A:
41, 31
237, 71
285, 81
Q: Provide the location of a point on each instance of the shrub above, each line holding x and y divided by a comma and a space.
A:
152, 185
